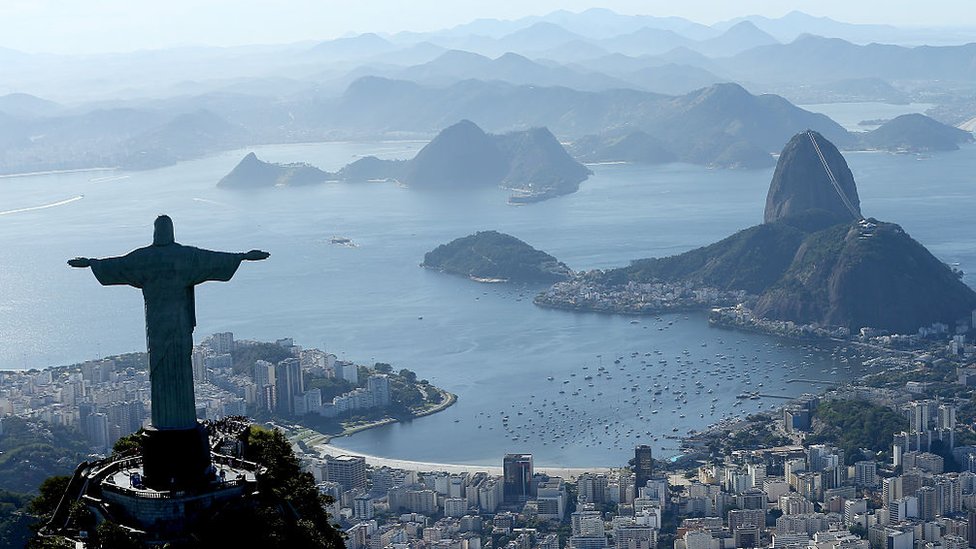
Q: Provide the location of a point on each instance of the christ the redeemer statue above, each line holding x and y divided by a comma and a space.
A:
166, 272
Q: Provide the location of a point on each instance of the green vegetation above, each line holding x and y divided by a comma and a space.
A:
852, 425
751, 260
495, 255
759, 435
244, 356
289, 510
408, 397
331, 387
15, 522
32, 450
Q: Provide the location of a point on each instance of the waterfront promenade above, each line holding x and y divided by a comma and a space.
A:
421, 466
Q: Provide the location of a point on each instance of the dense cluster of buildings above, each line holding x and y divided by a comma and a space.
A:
800, 496
796, 497
635, 298
109, 398
518, 509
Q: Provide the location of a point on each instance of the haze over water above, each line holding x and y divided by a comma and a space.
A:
486, 343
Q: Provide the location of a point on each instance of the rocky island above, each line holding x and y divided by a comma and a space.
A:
252, 173
814, 261
491, 256
531, 163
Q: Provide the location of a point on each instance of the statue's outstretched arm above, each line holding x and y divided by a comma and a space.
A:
81, 262
256, 255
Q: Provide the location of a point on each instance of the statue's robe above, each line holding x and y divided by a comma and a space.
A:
166, 275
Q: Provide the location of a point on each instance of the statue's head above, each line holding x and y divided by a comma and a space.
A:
163, 231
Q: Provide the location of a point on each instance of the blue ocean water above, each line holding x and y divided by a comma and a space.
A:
486, 343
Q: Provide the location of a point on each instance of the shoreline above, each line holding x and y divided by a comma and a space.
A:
426, 466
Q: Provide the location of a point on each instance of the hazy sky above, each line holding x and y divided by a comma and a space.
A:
85, 26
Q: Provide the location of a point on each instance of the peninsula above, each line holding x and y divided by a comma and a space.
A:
814, 262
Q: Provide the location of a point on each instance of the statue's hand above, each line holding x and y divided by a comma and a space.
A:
80, 262
256, 255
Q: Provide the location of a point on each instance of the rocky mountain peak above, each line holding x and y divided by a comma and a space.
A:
801, 183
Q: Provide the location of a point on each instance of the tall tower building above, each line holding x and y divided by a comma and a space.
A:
289, 383
379, 387
348, 471
517, 477
222, 342
643, 466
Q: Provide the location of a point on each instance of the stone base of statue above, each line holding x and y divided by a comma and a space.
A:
118, 488
175, 458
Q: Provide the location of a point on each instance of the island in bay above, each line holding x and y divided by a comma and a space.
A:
531, 163
815, 266
491, 256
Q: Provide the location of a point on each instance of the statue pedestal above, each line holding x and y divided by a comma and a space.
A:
175, 458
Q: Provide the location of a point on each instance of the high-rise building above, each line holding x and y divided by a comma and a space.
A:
517, 477
198, 360
222, 343
866, 473
643, 466
348, 471
98, 427
347, 371
288, 384
378, 387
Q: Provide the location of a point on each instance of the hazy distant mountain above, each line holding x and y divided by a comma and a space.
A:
672, 79
623, 146
595, 23
796, 23
356, 47
540, 36
766, 121
453, 66
849, 90
189, 135
416, 54
22, 104
571, 51
738, 38
817, 59
645, 41
92, 139
915, 133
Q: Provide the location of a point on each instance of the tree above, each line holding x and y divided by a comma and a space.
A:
382, 367
408, 375
110, 535
128, 444
51, 491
